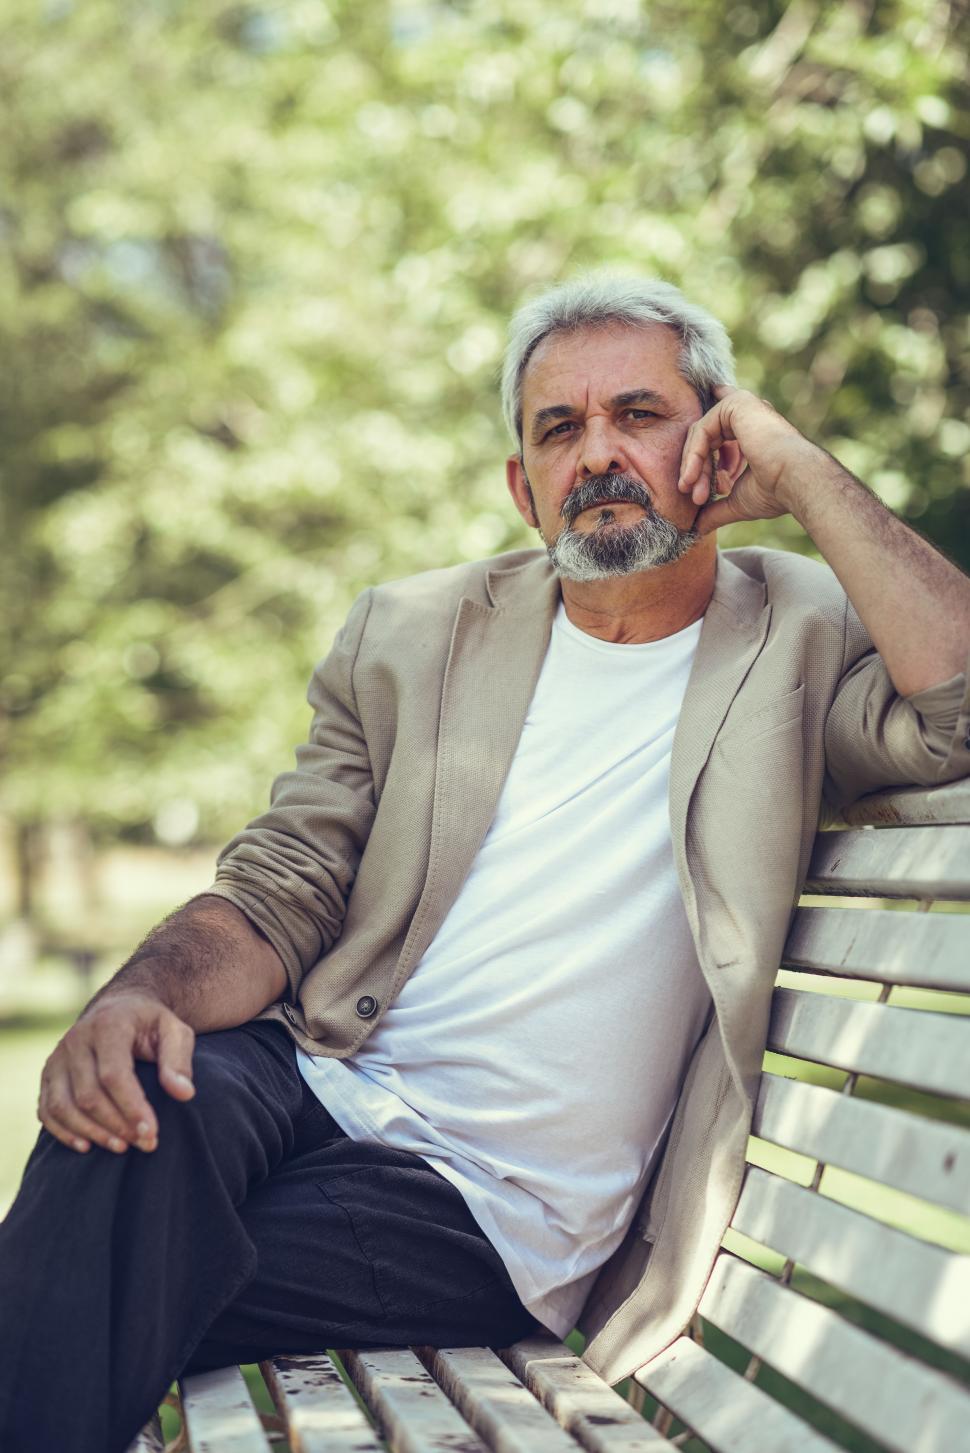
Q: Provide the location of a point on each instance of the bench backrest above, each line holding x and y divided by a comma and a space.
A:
842, 1294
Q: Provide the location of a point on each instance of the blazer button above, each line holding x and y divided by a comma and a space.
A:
366, 1006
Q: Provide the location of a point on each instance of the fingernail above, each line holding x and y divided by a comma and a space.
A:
116, 1145
185, 1082
82, 1145
143, 1130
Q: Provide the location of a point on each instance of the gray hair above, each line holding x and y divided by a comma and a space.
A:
600, 299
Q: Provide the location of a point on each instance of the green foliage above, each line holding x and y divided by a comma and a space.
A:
256, 266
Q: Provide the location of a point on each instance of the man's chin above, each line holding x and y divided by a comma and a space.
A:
613, 550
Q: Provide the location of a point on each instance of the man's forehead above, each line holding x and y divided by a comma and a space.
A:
606, 361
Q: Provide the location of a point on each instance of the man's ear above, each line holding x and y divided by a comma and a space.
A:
518, 483
731, 464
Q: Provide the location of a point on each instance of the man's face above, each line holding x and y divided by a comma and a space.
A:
605, 416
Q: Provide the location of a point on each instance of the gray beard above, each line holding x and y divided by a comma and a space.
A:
607, 551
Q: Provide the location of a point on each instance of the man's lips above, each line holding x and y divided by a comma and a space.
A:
608, 504
607, 515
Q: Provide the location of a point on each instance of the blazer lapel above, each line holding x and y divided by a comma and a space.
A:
494, 660
732, 635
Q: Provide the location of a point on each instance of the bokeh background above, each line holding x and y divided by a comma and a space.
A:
256, 262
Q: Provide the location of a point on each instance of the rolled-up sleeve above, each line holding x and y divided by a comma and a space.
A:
291, 869
875, 738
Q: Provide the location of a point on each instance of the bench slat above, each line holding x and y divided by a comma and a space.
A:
150, 1438
219, 1415
492, 1399
931, 950
914, 1047
909, 1407
582, 1402
912, 805
728, 1413
904, 862
922, 1286
898, 1149
319, 1411
411, 1410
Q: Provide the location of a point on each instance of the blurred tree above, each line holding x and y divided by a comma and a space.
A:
257, 263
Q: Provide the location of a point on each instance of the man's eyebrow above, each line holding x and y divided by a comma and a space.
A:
550, 415
639, 396
554, 412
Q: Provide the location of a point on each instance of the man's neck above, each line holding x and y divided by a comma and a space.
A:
646, 606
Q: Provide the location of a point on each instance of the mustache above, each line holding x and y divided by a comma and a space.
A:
612, 487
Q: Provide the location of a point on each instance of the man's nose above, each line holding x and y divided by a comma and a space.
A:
601, 452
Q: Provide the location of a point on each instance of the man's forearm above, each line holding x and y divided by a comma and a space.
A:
913, 602
207, 963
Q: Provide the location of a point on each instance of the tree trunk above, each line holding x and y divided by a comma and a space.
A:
25, 863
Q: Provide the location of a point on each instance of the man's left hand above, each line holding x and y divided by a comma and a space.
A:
769, 444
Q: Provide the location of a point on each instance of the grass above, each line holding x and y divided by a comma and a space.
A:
24, 1046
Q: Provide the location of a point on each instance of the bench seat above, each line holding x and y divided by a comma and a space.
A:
535, 1397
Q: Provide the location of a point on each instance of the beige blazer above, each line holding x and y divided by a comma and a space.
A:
418, 708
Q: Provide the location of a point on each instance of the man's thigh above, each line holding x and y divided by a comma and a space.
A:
362, 1245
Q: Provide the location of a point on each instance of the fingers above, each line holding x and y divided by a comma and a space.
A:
90, 1093
713, 516
703, 437
60, 1113
71, 1134
176, 1042
61, 1133
122, 1097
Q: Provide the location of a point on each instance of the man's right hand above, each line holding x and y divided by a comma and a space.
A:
89, 1092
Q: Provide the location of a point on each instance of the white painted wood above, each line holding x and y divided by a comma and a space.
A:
912, 806
412, 1412
922, 1286
906, 862
585, 1405
320, 1413
908, 1407
493, 1400
219, 1415
931, 950
150, 1438
915, 1047
729, 1414
908, 1152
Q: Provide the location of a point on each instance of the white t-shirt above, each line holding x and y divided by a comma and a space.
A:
535, 1054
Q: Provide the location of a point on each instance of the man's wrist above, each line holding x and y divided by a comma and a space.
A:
128, 985
810, 480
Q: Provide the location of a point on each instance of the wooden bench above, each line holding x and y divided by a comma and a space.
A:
838, 1312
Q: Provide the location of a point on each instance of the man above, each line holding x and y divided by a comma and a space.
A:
519, 908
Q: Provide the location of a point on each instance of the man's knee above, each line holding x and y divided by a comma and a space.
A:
231, 1082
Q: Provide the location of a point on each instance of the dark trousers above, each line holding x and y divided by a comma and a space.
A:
256, 1227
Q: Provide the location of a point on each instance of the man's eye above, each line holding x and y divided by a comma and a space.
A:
566, 424
642, 414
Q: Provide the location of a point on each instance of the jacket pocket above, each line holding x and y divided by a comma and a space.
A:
770, 716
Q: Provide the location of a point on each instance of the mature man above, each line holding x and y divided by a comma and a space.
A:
502, 948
